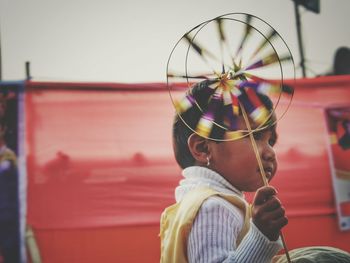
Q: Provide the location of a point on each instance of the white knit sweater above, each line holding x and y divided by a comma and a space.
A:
217, 225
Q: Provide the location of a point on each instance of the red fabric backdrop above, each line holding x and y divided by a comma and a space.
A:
101, 168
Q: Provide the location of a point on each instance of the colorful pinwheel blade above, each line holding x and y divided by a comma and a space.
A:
201, 51
206, 122
230, 119
265, 41
247, 32
199, 76
268, 60
184, 104
219, 22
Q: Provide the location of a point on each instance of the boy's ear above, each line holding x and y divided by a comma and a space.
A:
198, 147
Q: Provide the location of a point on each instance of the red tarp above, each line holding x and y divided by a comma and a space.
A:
101, 168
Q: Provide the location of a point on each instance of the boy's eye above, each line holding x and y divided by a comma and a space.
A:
258, 135
272, 141
273, 138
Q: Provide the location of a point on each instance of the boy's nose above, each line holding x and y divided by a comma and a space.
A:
268, 153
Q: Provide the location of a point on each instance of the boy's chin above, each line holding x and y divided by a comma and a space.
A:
254, 188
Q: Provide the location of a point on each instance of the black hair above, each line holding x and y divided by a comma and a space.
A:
190, 118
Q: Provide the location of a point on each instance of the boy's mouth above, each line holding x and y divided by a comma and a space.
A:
268, 170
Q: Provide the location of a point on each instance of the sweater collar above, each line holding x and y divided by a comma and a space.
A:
198, 176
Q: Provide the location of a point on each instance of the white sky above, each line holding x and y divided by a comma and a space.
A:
130, 41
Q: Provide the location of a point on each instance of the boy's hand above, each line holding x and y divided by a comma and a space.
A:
268, 213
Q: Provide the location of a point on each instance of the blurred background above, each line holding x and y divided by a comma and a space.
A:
90, 165
130, 41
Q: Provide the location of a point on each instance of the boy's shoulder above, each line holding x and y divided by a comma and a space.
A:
217, 212
218, 201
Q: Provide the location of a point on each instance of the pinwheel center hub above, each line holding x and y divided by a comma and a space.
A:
225, 79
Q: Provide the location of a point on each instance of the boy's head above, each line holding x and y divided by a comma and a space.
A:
229, 158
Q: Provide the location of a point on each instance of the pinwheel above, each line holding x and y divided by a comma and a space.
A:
236, 70
235, 82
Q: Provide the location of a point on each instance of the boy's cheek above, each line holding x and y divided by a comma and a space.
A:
275, 171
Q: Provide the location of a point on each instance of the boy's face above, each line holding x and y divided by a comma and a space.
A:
236, 160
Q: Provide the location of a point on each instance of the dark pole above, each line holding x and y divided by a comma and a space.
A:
0, 60
300, 42
28, 70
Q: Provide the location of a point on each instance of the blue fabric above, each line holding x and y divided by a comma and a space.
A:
12, 142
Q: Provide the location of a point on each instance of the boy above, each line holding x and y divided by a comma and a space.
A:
211, 221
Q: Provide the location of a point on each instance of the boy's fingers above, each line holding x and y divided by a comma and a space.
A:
263, 194
267, 217
276, 214
280, 222
272, 204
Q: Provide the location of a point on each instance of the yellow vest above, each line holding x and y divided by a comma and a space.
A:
176, 223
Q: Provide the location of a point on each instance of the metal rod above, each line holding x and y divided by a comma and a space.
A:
262, 172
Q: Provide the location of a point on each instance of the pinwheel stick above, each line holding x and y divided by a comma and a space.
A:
262, 172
